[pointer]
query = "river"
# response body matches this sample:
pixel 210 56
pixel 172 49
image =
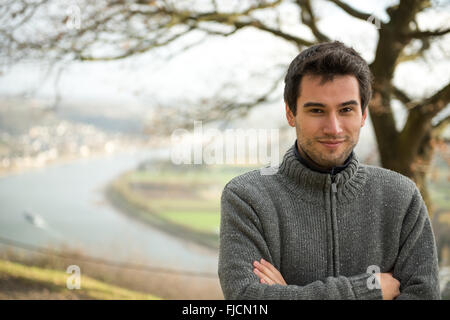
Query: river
pixel 70 199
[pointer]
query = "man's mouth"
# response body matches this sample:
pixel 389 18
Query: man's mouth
pixel 332 143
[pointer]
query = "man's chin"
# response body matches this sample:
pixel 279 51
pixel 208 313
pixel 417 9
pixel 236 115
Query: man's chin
pixel 330 163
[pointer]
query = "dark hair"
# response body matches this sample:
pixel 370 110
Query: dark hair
pixel 327 60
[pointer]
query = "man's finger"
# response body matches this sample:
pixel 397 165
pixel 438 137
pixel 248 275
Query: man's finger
pixel 270 272
pixel 274 271
pixel 269 266
pixel 269 283
pixel 263 277
pixel 264 270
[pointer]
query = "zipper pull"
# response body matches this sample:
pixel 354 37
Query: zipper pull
pixel 334 181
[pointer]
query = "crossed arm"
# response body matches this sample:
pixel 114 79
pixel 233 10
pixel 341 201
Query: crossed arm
pixel 268 274
pixel 242 242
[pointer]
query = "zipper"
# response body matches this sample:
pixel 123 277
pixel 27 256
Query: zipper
pixel 334 230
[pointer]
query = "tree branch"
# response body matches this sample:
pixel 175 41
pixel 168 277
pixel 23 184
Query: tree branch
pixel 238 20
pixel 276 32
pixel 415 55
pixel 351 11
pixel 427 34
pixel 434 104
pixel 217 109
pixel 441 124
pixel 32 7
pixel 231 110
pixel 309 19
pixel 391 43
pixel 262 5
pixel 140 48
pixel 401 95
pixel 419 120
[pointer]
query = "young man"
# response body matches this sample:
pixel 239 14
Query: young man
pixel 326 226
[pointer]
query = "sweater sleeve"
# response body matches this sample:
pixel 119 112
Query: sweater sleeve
pixel 242 241
pixel 416 266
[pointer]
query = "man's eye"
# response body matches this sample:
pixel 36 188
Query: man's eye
pixel 316 111
pixel 346 109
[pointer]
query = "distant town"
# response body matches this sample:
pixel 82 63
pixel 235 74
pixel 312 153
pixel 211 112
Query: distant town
pixel 34 138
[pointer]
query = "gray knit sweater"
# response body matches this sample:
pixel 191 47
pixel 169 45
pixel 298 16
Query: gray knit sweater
pixel 323 233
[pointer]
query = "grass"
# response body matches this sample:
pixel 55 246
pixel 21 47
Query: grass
pixel 190 174
pixel 202 221
pixel 184 201
pixel 139 208
pixel 18 279
pixel 163 205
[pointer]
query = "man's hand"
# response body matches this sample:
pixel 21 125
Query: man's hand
pixel 390 287
pixel 267 273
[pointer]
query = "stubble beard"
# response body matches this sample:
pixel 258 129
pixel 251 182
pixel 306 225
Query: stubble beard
pixel 327 158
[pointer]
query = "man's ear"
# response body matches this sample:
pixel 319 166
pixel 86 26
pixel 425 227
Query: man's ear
pixel 289 115
pixel 363 121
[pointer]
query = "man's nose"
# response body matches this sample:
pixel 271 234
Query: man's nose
pixel 333 125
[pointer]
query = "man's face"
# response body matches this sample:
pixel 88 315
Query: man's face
pixel 328 119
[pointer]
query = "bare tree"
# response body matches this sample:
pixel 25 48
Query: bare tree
pixel 116 29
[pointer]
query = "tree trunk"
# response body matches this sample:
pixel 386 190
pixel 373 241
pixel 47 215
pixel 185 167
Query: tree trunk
pixel 394 148
pixel 421 168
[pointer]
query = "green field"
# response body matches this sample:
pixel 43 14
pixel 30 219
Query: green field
pixel 182 200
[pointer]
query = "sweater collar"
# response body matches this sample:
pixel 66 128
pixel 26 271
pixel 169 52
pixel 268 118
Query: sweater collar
pixel 349 181
pixel 308 162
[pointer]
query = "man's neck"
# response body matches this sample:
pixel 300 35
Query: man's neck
pixel 311 164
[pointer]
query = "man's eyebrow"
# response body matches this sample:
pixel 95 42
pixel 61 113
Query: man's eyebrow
pixel 313 104
pixel 319 104
pixel 349 102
